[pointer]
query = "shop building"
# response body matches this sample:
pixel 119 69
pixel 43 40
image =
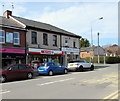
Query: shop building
pixel 12 42
pixel 45 42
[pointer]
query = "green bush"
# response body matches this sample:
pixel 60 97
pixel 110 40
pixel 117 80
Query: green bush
pixel 109 60
pixel 112 60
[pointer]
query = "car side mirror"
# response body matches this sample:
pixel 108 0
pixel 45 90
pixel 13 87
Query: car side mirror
pixel 10 69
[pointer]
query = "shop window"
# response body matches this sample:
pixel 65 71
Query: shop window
pixel 16 38
pixel 2 36
pixel 34 38
pixel 9 37
pixel 54 40
pixel 45 39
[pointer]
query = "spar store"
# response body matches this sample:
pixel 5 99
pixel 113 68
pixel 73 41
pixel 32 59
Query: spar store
pixel 44 55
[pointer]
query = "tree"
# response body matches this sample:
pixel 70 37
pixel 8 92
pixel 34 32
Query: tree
pixel 84 43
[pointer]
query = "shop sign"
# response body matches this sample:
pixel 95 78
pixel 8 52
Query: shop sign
pixel 45 51
pixel 70 50
pixel 11 50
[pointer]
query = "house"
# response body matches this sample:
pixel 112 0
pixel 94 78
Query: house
pixel 113 50
pixel 45 42
pixel 12 41
pixel 92 52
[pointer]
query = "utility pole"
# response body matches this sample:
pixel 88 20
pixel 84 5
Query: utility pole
pixel 98 49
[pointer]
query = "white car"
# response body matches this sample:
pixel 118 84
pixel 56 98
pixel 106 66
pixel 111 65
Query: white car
pixel 80 65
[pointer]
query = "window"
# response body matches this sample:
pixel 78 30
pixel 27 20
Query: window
pixel 16 38
pixel 54 40
pixel 66 42
pixel 45 39
pixel 14 67
pixel 74 44
pixel 52 64
pixel 57 64
pixel 2 36
pixel 22 66
pixel 34 38
pixel 9 37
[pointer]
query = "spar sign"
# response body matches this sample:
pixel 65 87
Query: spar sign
pixel 45 51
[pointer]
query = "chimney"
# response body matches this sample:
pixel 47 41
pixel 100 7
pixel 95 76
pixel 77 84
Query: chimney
pixel 7 13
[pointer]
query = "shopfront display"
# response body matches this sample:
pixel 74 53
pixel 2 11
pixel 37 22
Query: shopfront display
pixel 44 55
pixel 72 53
pixel 12 56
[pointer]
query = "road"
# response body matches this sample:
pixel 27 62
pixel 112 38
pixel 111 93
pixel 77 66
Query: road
pixel 102 83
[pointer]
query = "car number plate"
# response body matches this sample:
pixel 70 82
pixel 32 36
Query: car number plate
pixel 71 65
pixel 41 70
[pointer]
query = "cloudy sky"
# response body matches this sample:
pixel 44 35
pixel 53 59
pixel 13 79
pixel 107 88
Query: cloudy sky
pixel 77 16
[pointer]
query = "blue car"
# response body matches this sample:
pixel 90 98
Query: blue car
pixel 52 68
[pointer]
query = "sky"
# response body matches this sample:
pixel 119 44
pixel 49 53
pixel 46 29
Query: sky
pixel 78 16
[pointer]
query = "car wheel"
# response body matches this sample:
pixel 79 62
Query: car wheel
pixel 3 79
pixel 65 71
pixel 29 75
pixel 81 68
pixel 50 73
pixel 92 68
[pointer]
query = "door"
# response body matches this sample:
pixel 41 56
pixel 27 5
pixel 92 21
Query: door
pixel 58 67
pixel 22 71
pixel 87 64
pixel 13 72
pixel 54 67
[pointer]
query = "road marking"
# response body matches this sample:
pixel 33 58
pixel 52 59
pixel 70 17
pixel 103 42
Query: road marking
pixel 55 76
pixel 47 83
pixel 4 91
pixel 116 96
pixel 112 95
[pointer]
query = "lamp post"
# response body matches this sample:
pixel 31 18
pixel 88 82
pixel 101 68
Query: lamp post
pixel 92 40
pixel 98 49
pixel 92 31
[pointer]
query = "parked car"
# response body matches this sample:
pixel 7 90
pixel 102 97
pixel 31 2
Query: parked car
pixel 52 68
pixel 16 71
pixel 80 65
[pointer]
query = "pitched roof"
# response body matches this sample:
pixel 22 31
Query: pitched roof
pixel 89 48
pixel 8 22
pixel 44 26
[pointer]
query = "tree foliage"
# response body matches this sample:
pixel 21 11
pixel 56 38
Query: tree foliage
pixel 84 43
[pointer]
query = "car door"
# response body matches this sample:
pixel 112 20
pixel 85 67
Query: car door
pixel 53 67
pixel 13 72
pixel 87 64
pixel 58 67
pixel 22 71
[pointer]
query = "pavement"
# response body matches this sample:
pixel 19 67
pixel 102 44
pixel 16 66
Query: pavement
pixel 102 83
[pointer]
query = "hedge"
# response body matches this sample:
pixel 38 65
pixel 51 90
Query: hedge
pixel 109 60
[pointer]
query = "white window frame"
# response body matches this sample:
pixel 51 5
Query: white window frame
pixel 16 38
pixel 3 36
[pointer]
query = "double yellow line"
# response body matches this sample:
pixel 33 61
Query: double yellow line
pixel 113 95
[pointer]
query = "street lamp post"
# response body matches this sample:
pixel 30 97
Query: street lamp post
pixel 98 49
pixel 98 39
pixel 92 31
